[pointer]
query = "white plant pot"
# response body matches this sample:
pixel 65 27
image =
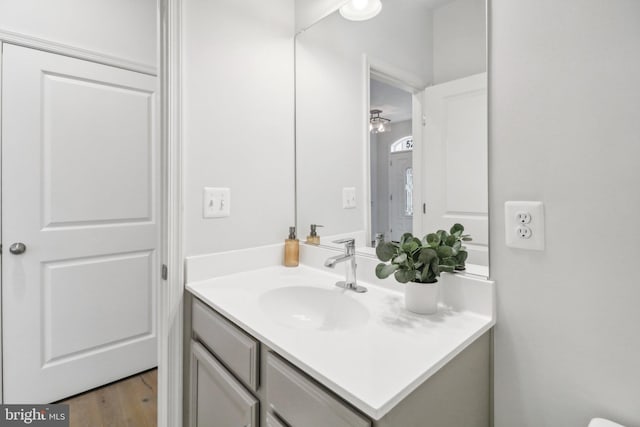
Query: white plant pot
pixel 421 298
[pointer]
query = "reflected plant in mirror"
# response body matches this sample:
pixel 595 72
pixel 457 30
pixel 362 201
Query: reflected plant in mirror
pixel 394 107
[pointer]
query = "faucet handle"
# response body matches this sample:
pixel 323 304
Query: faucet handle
pixel 348 241
pixel 349 244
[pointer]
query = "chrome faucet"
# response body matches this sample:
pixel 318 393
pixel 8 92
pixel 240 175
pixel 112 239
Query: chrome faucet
pixel 349 257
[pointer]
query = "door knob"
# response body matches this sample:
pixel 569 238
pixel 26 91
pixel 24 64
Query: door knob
pixel 18 248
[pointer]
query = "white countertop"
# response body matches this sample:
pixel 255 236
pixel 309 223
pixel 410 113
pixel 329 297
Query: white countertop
pixel 373 365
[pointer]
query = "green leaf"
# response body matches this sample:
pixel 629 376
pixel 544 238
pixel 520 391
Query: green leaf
pixel 385 270
pixel 461 258
pixel 450 241
pixel 435 268
pixel 405 237
pixel 445 251
pixel 427 254
pixel 457 229
pixel 466 238
pixel 457 245
pixel 433 240
pixel 448 262
pixel 447 268
pixel 428 276
pixel 404 276
pixel 386 251
pixel 400 259
pixel 424 276
pixel 411 245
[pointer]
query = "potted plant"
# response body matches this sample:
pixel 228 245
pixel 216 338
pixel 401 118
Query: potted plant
pixel 418 264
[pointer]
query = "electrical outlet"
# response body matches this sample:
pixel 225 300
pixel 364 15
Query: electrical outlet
pixel 216 202
pixel 523 232
pixel 524 225
pixel 523 217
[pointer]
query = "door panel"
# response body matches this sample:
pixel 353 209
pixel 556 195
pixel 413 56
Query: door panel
pixel 113 321
pixel 80 187
pixel 400 221
pixel 93 190
pixel 455 175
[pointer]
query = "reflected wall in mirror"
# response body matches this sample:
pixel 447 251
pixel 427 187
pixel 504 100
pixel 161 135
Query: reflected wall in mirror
pixel 394 107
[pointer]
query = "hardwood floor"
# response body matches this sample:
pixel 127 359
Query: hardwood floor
pixel 131 402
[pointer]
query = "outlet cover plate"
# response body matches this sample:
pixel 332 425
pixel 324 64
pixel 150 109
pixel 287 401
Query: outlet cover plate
pixel 534 212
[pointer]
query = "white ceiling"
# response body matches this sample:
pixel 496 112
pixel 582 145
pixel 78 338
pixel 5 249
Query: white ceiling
pixel 395 103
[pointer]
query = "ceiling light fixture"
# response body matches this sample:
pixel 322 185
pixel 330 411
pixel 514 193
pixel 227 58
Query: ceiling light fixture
pixel 378 124
pixel 360 10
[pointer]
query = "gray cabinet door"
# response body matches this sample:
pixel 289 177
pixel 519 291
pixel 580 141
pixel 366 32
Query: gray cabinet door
pixel 299 402
pixel 216 398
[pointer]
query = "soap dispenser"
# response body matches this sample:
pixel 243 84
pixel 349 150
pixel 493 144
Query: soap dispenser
pixel 291 249
pixel 313 237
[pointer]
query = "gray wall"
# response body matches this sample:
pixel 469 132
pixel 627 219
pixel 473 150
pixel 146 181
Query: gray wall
pixel 459 40
pixel 565 120
pixel 238 120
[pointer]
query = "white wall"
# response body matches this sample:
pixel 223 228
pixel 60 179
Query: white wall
pixel 125 29
pixel 238 120
pixel 331 110
pixel 459 40
pixel 565 120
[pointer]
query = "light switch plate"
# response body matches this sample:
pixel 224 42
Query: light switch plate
pixel 216 202
pixel 349 197
pixel 524 225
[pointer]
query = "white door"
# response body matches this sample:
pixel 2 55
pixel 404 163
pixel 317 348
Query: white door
pixel 80 189
pixel 400 203
pixel 454 177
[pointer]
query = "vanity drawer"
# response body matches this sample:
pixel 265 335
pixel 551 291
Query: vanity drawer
pixel 299 402
pixel 232 346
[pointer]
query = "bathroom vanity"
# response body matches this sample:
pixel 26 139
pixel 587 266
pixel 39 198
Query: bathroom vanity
pixel 278 346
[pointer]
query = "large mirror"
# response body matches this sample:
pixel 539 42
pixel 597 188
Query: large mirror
pixel 391 124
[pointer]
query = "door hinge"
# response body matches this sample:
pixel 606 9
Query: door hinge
pixel 424 208
pixel 165 272
pixel 424 120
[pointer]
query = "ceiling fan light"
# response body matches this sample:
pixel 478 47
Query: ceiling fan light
pixel 360 10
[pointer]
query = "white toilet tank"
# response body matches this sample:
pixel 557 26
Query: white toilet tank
pixel 601 422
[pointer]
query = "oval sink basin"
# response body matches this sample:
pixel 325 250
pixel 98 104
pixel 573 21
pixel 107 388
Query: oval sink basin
pixel 305 307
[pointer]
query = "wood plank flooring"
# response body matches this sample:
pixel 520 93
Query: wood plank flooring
pixel 131 402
